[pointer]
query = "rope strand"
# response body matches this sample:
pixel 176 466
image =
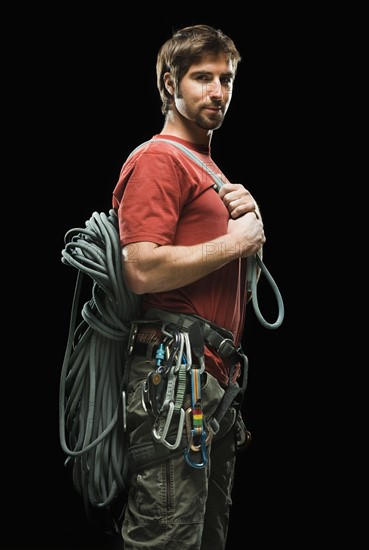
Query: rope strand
pixel 90 426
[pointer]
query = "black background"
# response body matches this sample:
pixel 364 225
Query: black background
pixel 87 97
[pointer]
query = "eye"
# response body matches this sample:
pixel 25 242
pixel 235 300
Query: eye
pixel 204 78
pixel 227 81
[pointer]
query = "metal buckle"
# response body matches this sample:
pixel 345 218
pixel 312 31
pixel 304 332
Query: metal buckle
pixel 226 343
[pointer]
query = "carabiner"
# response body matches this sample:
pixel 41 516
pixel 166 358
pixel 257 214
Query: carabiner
pixel 186 452
pixel 162 438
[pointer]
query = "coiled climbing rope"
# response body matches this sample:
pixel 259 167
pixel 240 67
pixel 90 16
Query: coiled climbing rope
pixel 92 372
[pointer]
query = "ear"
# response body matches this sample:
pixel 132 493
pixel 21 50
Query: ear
pixel 168 83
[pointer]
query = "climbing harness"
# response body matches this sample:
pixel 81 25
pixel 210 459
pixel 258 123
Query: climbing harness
pixel 92 398
pixel 184 340
pixel 164 392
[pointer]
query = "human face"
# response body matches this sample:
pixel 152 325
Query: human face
pixel 205 92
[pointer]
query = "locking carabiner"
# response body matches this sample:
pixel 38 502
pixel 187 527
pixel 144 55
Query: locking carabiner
pixel 196 448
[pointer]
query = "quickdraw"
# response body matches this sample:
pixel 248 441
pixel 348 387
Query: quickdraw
pixel 196 434
pixel 163 396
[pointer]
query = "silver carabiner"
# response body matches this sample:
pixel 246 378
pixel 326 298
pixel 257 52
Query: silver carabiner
pixel 162 437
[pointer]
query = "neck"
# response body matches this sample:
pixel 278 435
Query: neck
pixel 184 129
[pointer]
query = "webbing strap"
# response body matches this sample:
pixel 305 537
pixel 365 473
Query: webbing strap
pixel 222 340
pixel 219 338
pixel 233 395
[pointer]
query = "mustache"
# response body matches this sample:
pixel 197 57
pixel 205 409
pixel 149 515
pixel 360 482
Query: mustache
pixel 214 105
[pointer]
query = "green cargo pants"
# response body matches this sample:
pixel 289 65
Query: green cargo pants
pixel 171 504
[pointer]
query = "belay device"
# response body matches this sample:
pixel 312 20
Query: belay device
pixel 91 397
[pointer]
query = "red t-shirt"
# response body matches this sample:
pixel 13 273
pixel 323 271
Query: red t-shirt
pixel 170 200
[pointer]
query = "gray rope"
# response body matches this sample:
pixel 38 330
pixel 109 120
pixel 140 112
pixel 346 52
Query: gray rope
pixel 92 373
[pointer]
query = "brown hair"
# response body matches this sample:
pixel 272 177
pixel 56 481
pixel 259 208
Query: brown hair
pixel 186 47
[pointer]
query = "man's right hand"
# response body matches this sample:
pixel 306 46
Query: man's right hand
pixel 248 231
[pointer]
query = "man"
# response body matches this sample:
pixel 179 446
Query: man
pixel 185 250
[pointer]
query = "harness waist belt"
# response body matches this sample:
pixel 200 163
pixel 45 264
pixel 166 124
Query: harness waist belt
pixel 219 338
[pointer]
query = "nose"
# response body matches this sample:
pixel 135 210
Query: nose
pixel 215 90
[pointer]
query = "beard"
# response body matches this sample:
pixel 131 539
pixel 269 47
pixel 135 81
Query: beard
pixel 207 122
